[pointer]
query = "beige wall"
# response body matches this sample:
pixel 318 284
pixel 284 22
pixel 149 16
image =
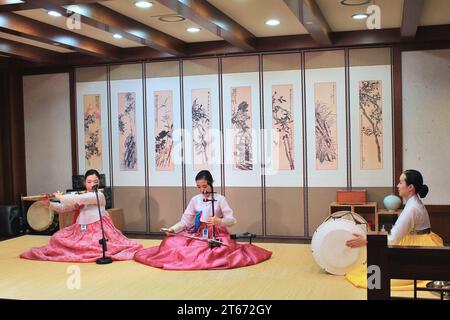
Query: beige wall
pixel 46 103
pixel 426 119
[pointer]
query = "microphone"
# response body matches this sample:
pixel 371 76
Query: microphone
pixel 246 235
pixel 95 187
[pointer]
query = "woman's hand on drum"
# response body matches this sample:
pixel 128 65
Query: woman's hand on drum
pixel 359 240
pixel 213 221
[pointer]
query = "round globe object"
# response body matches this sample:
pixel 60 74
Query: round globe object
pixel 392 202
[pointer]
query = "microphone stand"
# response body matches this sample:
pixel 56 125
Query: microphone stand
pixel 102 241
pixel 215 242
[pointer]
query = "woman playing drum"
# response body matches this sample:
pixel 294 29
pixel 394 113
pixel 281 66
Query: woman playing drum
pixel 411 229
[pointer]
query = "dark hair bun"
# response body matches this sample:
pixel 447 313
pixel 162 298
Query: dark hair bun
pixel 423 191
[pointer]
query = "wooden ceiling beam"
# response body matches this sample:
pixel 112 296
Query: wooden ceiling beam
pixel 431 37
pixel 28 28
pixel 27 52
pixel 215 21
pixel 412 10
pixel 111 21
pixel 29 5
pixel 106 19
pixel 312 19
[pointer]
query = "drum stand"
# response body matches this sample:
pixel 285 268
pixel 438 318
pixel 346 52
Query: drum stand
pixel 102 241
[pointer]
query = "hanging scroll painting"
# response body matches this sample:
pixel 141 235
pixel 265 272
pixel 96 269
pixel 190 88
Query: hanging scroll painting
pixel 241 120
pixel 127 131
pixel 283 126
pixel 92 131
pixel 325 126
pixel 201 128
pixel 163 104
pixel 371 124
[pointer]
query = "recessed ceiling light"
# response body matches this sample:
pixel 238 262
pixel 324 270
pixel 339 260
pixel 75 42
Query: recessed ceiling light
pixel 360 16
pixel 273 22
pixel 143 4
pixel 117 36
pixel 54 13
pixel 354 2
pixel 193 29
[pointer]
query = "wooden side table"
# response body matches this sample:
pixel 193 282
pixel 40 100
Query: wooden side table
pixel 116 215
pixel 386 218
pixel 367 211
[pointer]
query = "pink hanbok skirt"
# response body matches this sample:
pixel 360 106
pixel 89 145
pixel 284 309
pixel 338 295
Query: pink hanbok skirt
pixel 72 244
pixel 179 253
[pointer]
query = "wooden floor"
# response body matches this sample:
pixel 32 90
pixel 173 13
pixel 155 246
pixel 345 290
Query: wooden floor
pixel 291 273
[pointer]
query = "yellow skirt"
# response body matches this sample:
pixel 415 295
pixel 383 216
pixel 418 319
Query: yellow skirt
pixel 358 276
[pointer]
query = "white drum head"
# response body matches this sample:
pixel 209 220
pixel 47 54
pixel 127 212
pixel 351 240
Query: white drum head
pixel 329 248
pixel 39 217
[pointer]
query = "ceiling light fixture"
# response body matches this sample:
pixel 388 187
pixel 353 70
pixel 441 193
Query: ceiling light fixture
pixel 354 2
pixel 273 22
pixel 170 18
pixel 143 4
pixel 54 13
pixel 193 29
pixel 117 36
pixel 360 16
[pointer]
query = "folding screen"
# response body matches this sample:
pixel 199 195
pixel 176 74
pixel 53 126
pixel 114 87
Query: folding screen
pixel 242 145
pixel 92 120
pixel 284 154
pixel 201 121
pixel 326 131
pixel 127 142
pixel 164 133
pixel 371 122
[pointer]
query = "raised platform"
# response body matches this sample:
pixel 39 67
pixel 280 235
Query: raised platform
pixel 291 273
